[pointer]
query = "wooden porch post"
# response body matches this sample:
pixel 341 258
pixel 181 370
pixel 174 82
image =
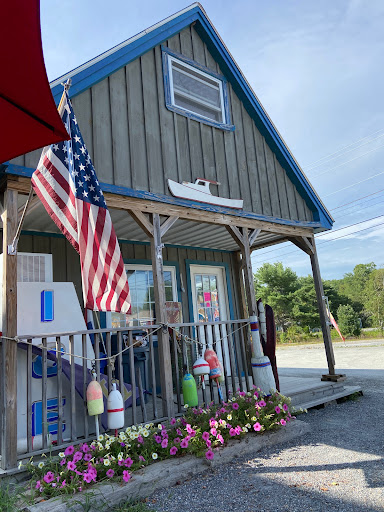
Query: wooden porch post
pixel 161 317
pixel 8 381
pixel 308 246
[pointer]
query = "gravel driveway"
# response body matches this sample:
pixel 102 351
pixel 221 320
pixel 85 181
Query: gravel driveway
pixel 338 466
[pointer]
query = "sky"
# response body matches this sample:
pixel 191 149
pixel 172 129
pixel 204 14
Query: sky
pixel 316 66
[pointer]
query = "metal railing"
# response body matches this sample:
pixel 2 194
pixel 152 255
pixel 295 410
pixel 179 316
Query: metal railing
pixel 54 371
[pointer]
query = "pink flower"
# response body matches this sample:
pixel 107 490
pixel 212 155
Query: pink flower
pixel 209 455
pixel 212 422
pixel 69 450
pixel 63 483
pixel 232 432
pixel 71 466
pixel 176 440
pixel 49 477
pixel 128 462
pixel 257 427
pixel 256 394
pixel 164 443
pixel 220 438
pixel 63 461
pixel 85 448
pixel 208 443
pixel 285 407
pixel 87 457
pixel 213 432
pixel 179 432
pixel 277 409
pixel 283 422
pixel 189 428
pixel 262 403
pixel 126 476
pixel 141 458
pixel 78 456
pixel 184 443
pixel 158 439
pixel 173 421
pixel 164 432
pixel 110 473
pixel 205 436
pixel 173 450
pixel 193 433
pixel 37 484
pixel 120 462
pixel 140 439
pixel 242 393
pixel 88 478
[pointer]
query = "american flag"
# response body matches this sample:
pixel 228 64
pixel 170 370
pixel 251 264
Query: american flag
pixel 66 182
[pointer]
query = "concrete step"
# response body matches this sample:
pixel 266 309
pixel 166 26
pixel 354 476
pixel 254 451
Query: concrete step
pixel 326 399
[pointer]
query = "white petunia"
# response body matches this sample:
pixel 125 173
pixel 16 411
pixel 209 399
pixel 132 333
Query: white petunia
pixel 154 456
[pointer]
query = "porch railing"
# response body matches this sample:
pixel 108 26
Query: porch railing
pixel 55 369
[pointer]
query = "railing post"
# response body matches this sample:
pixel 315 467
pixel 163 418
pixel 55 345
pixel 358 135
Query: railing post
pixel 161 317
pixel 8 383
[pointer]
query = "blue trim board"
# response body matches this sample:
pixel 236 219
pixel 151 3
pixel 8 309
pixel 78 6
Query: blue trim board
pixel 99 70
pixel 165 264
pixel 188 264
pixel 162 198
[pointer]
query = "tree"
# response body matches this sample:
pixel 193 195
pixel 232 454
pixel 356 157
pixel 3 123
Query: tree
pixel 349 322
pixel 374 296
pixel 275 285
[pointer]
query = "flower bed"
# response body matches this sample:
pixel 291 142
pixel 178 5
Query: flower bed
pixel 199 432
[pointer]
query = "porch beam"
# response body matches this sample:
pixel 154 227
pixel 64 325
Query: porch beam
pixel 142 221
pixel 167 224
pixel 8 383
pixel 161 317
pixel 235 233
pixel 252 237
pixel 119 202
pixel 303 243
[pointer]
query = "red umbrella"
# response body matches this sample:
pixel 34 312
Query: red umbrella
pixel 28 114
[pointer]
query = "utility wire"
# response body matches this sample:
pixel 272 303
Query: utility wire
pixel 358 199
pixel 326 241
pixel 312 164
pixel 354 184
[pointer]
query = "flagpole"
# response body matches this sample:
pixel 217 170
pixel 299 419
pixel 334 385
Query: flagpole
pixel 12 249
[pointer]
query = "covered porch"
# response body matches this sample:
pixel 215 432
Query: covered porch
pixel 156 233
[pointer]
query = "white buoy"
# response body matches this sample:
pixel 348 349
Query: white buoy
pixel 115 408
pixel 201 368
pixel 262 320
pixel 261 365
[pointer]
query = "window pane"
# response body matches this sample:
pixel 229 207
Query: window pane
pixel 212 280
pixel 206 283
pixel 198 108
pixel 168 293
pixel 167 279
pixel 187 84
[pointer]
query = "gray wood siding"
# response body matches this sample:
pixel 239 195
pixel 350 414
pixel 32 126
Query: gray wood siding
pixel 66 264
pixel 136 142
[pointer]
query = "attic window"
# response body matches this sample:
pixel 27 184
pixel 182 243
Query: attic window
pixel 195 92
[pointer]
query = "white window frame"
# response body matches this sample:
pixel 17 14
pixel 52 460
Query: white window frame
pixel 141 266
pixel 195 70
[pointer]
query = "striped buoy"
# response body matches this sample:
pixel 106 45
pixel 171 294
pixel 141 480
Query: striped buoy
pixel 261 365
pixel 200 369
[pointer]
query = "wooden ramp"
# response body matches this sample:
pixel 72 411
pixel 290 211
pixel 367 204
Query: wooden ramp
pixel 307 392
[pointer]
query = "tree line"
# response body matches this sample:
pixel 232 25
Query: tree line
pixel 356 300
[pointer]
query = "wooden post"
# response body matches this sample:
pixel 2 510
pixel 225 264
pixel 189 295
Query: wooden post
pixel 161 317
pixel 8 381
pixel 323 312
pixel 248 275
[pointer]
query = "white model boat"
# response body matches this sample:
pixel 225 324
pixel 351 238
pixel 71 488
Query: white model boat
pixel 199 191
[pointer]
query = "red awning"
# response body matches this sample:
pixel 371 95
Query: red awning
pixel 28 114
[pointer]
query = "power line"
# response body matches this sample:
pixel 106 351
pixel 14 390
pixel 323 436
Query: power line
pixel 326 241
pixel 334 231
pixel 347 162
pixel 311 165
pixel 354 184
pixel 358 199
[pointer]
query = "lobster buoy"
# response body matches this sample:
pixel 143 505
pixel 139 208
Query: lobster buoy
pixel 215 368
pixel 214 364
pixel 190 391
pixel 221 379
pixel 115 407
pixel 95 402
pixel 261 365
pixel 200 369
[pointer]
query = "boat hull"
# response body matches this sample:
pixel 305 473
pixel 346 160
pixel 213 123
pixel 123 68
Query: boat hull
pixel 190 191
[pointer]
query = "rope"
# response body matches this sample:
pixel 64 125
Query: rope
pixel 111 359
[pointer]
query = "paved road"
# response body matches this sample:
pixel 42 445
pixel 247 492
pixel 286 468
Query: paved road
pixel 338 466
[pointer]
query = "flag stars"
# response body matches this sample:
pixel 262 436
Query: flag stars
pixel 82 149
pixel 87 177
pixel 80 183
pixel 96 198
pixel 55 147
pixel 91 188
pixel 77 138
pixel 81 167
pixel 85 194
pixel 76 156
pixel 65 148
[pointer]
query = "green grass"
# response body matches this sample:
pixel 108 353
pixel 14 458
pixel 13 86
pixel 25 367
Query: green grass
pixel 130 506
pixel 11 496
